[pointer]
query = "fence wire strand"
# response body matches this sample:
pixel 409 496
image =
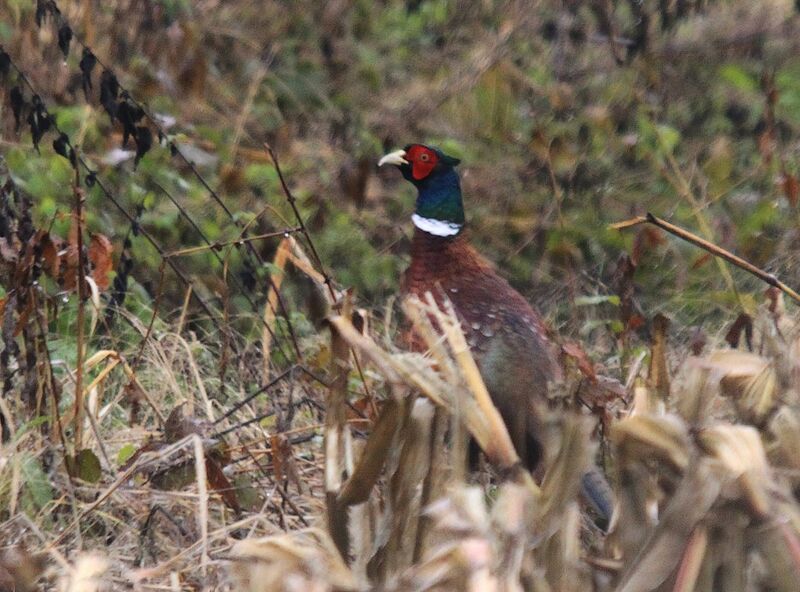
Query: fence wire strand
pixel 78 162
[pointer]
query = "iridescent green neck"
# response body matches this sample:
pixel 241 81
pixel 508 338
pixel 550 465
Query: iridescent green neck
pixel 440 198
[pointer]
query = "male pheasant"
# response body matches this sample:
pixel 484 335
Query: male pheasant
pixel 506 335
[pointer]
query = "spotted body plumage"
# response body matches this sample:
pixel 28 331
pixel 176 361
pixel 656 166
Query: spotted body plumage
pixel 506 336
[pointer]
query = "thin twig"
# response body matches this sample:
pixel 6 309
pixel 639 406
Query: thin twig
pixel 293 203
pixel 252 396
pixel 711 248
pixel 78 221
pixel 215 246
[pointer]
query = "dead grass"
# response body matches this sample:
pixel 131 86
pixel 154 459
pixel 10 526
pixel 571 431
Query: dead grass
pixel 705 480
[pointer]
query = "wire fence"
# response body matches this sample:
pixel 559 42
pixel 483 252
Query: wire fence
pixel 138 123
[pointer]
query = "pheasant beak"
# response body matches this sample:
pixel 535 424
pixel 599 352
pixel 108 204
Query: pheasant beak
pixel 397 158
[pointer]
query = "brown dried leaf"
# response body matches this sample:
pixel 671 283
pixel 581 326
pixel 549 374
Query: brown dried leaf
pixel 625 289
pixel 766 145
pixel 69 268
pixel 283 460
pixel 277 448
pixel 100 251
pixel 602 393
pixel 744 322
pixel 69 257
pixel 219 482
pixel 791 189
pixel 179 425
pixel 634 322
pixel 646 239
pixel 574 351
pixel 774 298
pixel 363 408
pixel 51 262
pixel 697 341
pixel 23 315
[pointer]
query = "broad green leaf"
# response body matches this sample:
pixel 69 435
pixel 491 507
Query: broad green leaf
pixel 85 466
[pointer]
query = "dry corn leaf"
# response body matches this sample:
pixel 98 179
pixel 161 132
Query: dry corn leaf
pixel 368 469
pixel 647 436
pixel 294 562
pixel 663 550
pixel 785 426
pixel 20 569
pixel 562 481
pixel 759 397
pixel 733 368
pixel 87 574
pixel 779 548
pixel 741 452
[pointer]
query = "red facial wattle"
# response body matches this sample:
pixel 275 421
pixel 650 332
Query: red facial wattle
pixel 423 160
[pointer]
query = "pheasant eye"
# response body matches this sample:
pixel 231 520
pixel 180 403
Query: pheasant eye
pixel 424 157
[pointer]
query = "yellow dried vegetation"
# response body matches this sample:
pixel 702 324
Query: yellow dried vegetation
pixel 705 453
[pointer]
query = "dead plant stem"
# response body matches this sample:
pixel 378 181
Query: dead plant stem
pixel 78 221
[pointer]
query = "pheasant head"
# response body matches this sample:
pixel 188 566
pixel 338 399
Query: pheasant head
pixel 439 209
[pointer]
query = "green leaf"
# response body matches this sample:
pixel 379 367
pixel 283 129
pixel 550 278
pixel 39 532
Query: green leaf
pixel 668 137
pixel 33 423
pixel 85 466
pixel 616 326
pixel 248 496
pixel 738 77
pixel 125 453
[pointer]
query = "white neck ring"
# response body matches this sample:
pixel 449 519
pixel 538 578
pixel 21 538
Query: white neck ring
pixel 436 227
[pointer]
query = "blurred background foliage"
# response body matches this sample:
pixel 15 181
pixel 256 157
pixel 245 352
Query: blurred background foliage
pixel 567 115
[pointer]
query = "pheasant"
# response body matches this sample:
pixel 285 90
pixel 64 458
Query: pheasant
pixel 506 335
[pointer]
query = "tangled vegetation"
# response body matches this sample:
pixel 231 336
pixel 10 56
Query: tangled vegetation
pixel 201 387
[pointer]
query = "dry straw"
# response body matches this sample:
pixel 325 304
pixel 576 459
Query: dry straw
pixel 705 461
